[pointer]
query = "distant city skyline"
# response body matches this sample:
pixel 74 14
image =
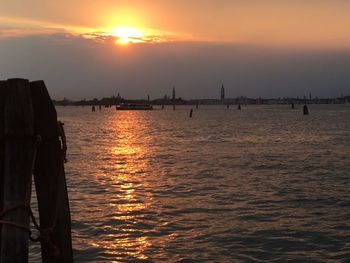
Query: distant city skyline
pixel 220 98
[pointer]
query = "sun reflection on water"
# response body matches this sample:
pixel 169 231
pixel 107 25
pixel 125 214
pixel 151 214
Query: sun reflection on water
pixel 124 150
pixel 127 167
pixel 158 187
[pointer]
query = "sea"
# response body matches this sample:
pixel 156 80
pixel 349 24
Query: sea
pixel 261 184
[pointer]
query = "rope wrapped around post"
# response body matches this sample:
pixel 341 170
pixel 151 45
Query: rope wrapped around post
pixel 25 110
pixel 44 233
pixel 22 205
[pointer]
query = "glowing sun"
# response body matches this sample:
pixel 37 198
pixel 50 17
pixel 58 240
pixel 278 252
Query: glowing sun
pixel 126 35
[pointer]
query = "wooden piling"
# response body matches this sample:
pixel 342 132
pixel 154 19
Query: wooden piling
pixel 305 110
pixel 27 116
pixel 239 107
pixel 93 109
pixel 2 144
pixel 50 180
pixel 174 107
pixel 19 150
pixel 191 112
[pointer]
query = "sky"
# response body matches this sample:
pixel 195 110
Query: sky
pixel 256 48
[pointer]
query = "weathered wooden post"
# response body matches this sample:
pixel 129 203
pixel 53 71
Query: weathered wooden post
pixel 174 98
pixel 191 112
pixel 19 154
pixel 239 107
pixel 50 180
pixel 2 144
pixel 30 144
pixel 305 110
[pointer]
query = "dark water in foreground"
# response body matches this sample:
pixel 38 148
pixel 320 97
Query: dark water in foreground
pixel 262 185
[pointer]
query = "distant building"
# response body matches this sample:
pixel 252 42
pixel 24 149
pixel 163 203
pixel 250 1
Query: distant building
pixel 222 92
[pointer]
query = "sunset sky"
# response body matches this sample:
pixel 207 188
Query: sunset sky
pixel 268 48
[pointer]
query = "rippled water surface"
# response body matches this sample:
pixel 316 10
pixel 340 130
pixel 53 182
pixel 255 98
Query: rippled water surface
pixel 265 184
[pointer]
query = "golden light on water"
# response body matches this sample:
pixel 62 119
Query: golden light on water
pixel 117 150
pixel 129 166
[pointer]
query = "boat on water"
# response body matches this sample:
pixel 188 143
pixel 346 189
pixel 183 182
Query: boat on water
pixel 134 106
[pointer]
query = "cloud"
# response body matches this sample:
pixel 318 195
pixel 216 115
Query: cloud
pixel 76 67
pixel 21 28
pixel 21 32
pixel 85 63
pixel 17 28
pixel 108 37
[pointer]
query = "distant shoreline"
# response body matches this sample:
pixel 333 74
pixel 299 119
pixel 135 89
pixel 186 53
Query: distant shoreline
pixel 179 101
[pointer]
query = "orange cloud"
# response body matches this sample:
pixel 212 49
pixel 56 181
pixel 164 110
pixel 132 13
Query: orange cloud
pixel 14 27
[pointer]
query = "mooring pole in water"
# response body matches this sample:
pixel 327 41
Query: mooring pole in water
pixel 228 106
pixel 191 112
pixel 29 144
pixel 239 107
pixel 197 105
pixel 2 144
pixel 99 107
pixel 93 109
pixel 162 107
pixel 293 106
pixel 305 110
pixel 18 142
pixel 50 181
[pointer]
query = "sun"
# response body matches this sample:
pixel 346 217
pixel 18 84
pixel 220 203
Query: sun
pixel 126 35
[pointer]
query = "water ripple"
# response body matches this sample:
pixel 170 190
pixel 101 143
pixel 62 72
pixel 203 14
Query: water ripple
pixel 265 184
